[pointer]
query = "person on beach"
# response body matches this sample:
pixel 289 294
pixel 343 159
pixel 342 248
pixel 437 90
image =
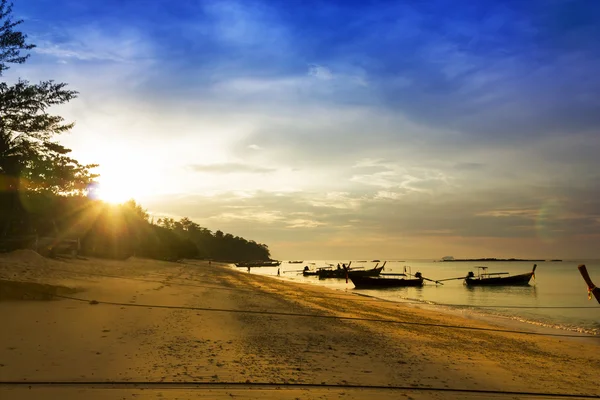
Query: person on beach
pixel 277 271
pixel 248 269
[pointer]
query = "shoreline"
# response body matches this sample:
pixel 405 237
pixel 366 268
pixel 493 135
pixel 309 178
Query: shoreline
pixel 475 312
pixel 525 313
pixel 219 325
pixel 481 313
pixel 498 260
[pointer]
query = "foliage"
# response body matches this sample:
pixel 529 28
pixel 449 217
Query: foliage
pixel 11 42
pixel 215 245
pixel 27 152
pixel 30 159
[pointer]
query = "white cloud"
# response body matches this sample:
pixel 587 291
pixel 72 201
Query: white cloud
pixel 303 223
pixel 230 168
pixel 264 217
pixel 340 200
pixel 388 195
pixel 320 72
pixel 394 176
pixel 94 44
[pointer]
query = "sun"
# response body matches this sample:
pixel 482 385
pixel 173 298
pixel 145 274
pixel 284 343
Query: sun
pixel 126 174
pixel 116 187
pixel 124 182
pixel 113 192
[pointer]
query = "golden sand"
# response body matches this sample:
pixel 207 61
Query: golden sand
pixel 202 340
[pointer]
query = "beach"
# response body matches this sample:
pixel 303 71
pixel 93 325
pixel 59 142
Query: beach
pixel 151 329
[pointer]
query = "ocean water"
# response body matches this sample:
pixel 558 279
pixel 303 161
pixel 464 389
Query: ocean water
pixel 556 298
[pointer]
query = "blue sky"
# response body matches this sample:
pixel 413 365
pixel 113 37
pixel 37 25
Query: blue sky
pixel 340 128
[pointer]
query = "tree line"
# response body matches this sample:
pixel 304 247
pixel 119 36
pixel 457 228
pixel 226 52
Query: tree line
pixel 44 192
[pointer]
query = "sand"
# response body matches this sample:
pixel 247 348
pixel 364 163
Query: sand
pixel 200 349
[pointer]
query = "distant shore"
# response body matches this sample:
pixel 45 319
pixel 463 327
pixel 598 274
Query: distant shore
pixel 494 259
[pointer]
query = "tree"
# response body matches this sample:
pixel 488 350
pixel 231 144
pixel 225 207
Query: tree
pixel 11 42
pixel 137 210
pixel 30 159
pixel 167 223
pixel 26 133
pixel 52 170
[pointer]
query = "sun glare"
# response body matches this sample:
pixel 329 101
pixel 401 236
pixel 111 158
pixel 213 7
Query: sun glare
pixel 113 193
pixel 127 174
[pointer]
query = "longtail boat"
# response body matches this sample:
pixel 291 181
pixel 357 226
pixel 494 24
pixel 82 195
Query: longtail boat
pixel 592 289
pixel 319 271
pixel 366 272
pixel 484 278
pixel 380 282
pixel 347 272
pixel 307 272
pixel 254 264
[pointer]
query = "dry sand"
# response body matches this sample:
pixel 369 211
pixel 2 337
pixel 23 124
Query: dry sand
pixel 107 346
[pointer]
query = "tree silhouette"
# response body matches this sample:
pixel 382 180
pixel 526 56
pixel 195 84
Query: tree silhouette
pixel 11 42
pixel 30 159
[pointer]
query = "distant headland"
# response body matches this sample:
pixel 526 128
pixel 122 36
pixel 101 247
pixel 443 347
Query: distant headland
pixel 452 259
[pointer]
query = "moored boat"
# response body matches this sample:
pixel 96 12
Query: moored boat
pixel 253 264
pixel 346 271
pixel 379 282
pixel 366 272
pixel 307 272
pixel 484 278
pixel 323 273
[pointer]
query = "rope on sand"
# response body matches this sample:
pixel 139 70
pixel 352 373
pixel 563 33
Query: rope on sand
pixel 287 314
pixel 156 385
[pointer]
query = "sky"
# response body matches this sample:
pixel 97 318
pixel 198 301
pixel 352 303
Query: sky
pixel 340 129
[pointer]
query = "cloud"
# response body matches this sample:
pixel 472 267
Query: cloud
pixel 469 166
pixel 264 217
pixel 395 176
pixel 230 168
pixel 304 223
pixel 320 72
pixel 526 213
pixel 93 44
pixel 277 218
pixel 337 200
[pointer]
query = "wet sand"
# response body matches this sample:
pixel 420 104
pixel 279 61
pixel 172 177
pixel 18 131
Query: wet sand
pixel 201 341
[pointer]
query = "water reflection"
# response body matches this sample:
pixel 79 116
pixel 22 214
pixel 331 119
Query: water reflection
pixel 501 295
pixel 510 290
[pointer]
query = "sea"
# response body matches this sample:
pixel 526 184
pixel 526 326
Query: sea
pixel 556 298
